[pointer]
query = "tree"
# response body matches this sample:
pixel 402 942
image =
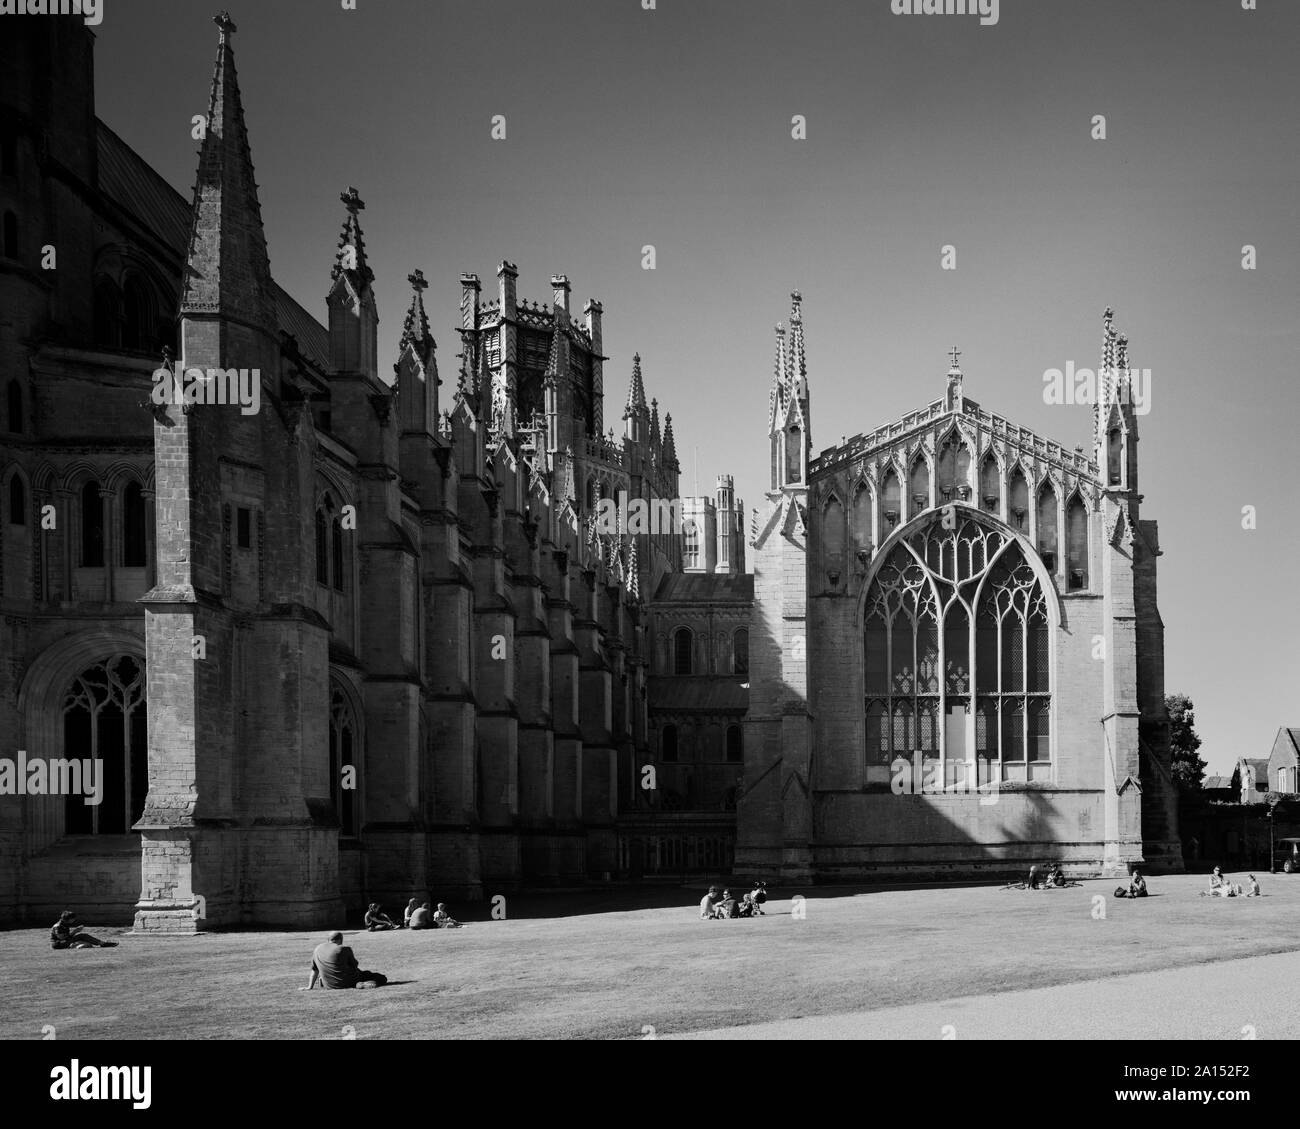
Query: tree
pixel 1186 764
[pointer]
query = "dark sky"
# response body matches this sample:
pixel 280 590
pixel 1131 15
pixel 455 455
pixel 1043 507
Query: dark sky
pixel 672 127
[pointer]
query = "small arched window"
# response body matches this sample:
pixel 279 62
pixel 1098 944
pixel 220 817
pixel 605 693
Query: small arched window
pixel 17 501
pixel 793 455
pixel 1076 526
pixel 92 526
pixel 918 487
pixel 668 744
pixel 1047 540
pixel 990 484
pixel 1018 499
pixel 1115 456
pixel 890 507
pixel 336 529
pixel 11 235
pixel 740 651
pixel 735 744
pixel 135 541
pixel 683 642
pixel 322 549
pixel 14 404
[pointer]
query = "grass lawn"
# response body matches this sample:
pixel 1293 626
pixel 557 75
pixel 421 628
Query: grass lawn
pixel 604 965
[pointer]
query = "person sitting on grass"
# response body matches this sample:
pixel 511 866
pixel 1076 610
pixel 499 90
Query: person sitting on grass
pixel 728 906
pixel 442 919
pixel 757 896
pixel 1220 887
pixel 422 918
pixel 1137 887
pixel 411 907
pixel 1057 877
pixel 708 904
pixel 66 934
pixel 1252 890
pixel 1032 884
pixel 334 965
pixel 377 921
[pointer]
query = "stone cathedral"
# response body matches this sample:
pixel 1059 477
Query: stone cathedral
pixel 366 639
pixel 956 657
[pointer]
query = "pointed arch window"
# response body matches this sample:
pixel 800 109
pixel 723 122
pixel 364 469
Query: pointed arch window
pixel 322 548
pixel 954 467
pixel 1115 456
pixel 861 521
pixel 833 539
pixel 957 658
pixel 683 644
pixel 17 501
pixel 1076 532
pixel 890 506
pixel 793 455
pixel 990 484
pixel 343 761
pixel 1047 539
pixel 14 406
pixel 918 487
pixel 1018 501
pixel 339 555
pixel 740 651
pixel 92 526
pixel 135 539
pixel 105 721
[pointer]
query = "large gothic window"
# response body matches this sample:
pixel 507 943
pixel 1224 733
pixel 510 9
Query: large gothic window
pixel 104 722
pixel 343 753
pixel 957 657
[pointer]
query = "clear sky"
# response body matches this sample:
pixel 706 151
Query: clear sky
pixel 672 127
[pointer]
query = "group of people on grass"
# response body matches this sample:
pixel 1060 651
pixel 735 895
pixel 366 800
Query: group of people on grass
pixel 714 905
pixel 1221 887
pixel 417 916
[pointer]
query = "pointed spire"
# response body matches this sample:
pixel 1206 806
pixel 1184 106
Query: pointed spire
pixel 227 269
pixel 415 329
pixel 1106 374
pixel 670 444
pixel 350 258
pixel 798 362
pixel 635 390
pixel 777 395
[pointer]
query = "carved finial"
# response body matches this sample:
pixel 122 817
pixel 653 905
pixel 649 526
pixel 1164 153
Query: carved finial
pixel 954 352
pixel 417 280
pixel 225 23
pixel 352 201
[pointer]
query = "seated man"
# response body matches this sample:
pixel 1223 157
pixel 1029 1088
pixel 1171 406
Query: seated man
pixel 728 907
pixel 1137 887
pixel 422 918
pixel 411 907
pixel 334 965
pixel 66 934
pixel 708 904
pixel 1057 877
pixel 1253 890
pixel 377 920
pixel 442 919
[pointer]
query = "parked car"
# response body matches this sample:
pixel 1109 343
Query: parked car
pixel 1286 855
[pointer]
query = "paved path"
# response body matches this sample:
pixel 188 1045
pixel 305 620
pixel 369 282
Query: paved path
pixel 1204 1001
